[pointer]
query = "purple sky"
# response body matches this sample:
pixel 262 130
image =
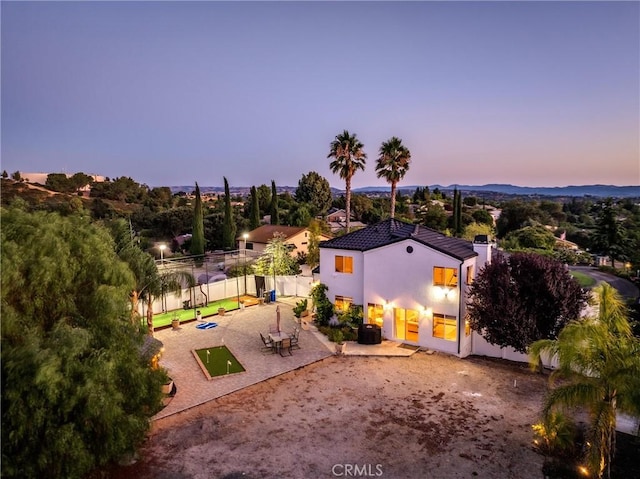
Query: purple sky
pixel 169 93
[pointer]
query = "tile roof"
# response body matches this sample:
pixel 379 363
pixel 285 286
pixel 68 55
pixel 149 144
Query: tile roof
pixel 392 231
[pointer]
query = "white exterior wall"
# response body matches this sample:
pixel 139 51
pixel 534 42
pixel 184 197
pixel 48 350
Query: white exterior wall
pixel 394 278
pixel 405 280
pixel 342 284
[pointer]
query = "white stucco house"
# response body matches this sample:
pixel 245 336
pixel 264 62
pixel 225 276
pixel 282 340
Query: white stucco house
pixel 411 280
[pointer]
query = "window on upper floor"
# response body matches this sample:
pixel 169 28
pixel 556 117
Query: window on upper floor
pixel 445 276
pixel 469 274
pixel 344 264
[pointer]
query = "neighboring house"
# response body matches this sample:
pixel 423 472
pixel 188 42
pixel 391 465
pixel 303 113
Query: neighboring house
pixel 336 215
pixel 411 280
pixel 337 220
pixel 296 237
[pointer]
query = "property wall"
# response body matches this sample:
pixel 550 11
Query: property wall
pixel 284 286
pixel 482 348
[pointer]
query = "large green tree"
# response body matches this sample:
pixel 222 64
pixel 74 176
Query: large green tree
pixel 229 226
pixel 274 209
pixel 393 163
pixel 315 190
pixel 609 237
pixel 348 157
pixel 599 369
pixel 76 392
pixel 197 236
pixel 517 300
pixel 277 259
pixel 254 215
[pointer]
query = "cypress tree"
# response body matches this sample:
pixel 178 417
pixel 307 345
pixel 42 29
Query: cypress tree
pixel 228 227
pixel 254 218
pixel 457 213
pixel 197 236
pixel 275 215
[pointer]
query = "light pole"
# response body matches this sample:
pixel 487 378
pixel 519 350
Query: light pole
pixel 162 248
pixel 244 263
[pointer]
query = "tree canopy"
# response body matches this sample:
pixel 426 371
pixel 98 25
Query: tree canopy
pixel 348 157
pixel 517 300
pixel 314 189
pixel 599 363
pixel 276 257
pixel 392 164
pixel 76 392
pixel 197 238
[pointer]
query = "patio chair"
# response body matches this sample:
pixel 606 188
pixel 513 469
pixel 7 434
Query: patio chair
pixel 285 344
pixel 294 338
pixel 268 344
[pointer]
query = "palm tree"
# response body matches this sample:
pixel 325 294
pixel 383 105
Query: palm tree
pixel 392 165
pixel 164 282
pixel 599 363
pixel 348 157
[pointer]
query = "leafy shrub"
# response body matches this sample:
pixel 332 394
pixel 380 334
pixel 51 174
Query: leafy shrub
pixel 324 307
pixel 353 317
pixel 299 308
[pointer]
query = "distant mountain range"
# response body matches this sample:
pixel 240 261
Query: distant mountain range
pixel 602 191
pixel 583 190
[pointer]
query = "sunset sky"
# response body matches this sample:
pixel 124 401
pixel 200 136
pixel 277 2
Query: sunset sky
pixel 170 93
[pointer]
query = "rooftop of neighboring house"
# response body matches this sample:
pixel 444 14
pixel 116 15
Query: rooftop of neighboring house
pixel 264 233
pixel 392 231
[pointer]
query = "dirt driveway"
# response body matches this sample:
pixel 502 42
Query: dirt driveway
pixel 427 416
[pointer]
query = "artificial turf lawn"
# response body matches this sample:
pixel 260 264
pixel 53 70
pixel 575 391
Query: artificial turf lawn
pixel 164 319
pixel 217 361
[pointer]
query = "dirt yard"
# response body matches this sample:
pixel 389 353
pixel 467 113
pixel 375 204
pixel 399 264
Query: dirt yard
pixel 427 416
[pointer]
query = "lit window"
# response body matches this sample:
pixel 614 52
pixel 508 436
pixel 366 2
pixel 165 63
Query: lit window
pixel 469 274
pixel 445 276
pixel 343 303
pixel 375 314
pixel 445 327
pixel 344 264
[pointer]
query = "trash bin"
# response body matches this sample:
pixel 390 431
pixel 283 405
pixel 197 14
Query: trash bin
pixel 369 334
pixel 272 295
pixel 198 316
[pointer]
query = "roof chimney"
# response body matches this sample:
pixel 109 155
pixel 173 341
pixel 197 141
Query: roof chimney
pixel 482 245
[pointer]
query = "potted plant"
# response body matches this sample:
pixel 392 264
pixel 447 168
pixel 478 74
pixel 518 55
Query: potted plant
pixel 338 338
pixel 300 308
pixel 221 311
pixel 167 387
pixel 175 322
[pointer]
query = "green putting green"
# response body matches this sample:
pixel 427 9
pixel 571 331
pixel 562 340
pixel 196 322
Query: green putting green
pixel 219 361
pixel 164 319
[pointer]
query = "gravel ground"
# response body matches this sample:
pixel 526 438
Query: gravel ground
pixel 427 416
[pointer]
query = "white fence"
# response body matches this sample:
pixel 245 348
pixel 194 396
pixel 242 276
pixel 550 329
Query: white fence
pixel 230 288
pixel 480 347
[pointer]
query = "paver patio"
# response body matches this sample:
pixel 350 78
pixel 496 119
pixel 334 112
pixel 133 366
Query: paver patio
pixel 240 331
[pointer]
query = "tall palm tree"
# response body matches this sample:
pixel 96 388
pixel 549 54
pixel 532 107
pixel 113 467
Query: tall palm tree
pixel 348 157
pixel 599 363
pixel 392 165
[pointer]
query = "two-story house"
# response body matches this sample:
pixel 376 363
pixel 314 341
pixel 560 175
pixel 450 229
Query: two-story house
pixel 411 280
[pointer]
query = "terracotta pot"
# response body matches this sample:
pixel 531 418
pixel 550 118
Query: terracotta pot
pixel 221 311
pixel 175 323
